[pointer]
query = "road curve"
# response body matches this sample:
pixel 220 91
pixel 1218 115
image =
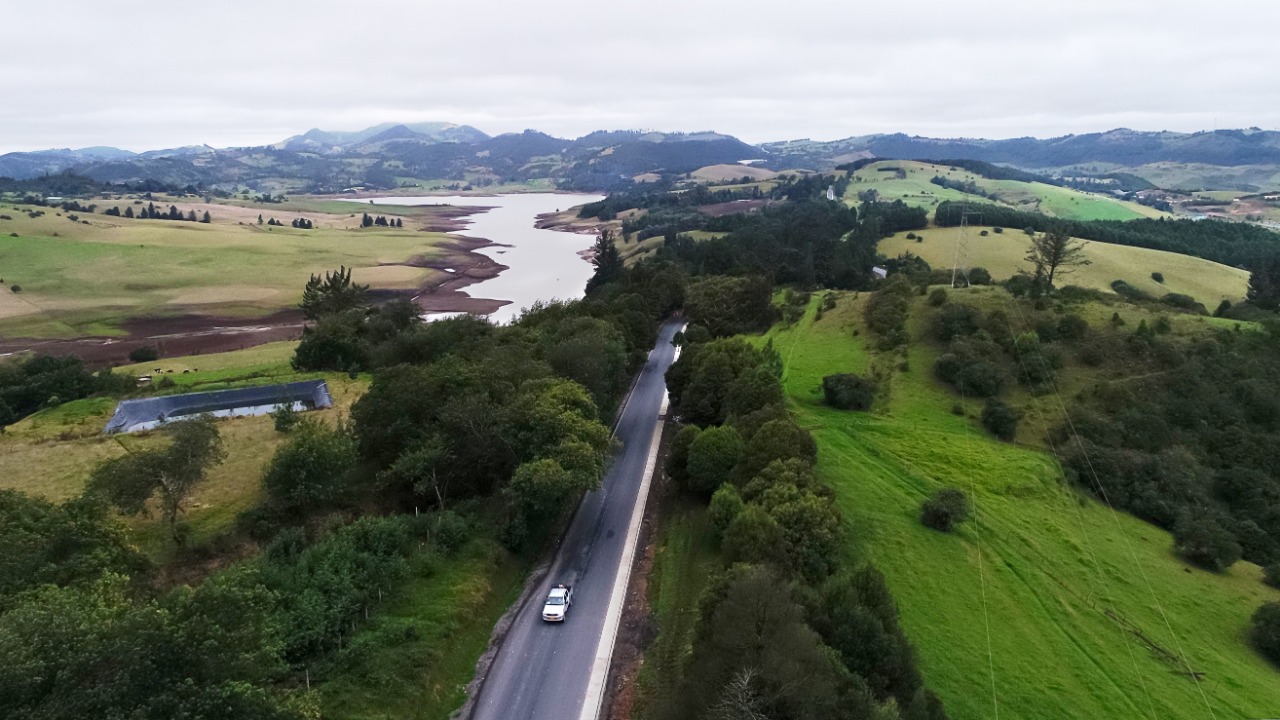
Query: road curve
pixel 542 670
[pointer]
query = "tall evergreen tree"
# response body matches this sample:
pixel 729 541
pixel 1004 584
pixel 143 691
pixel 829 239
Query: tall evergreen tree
pixel 608 261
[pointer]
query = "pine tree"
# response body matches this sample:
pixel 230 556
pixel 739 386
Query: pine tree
pixel 128 212
pixel 366 221
pixel 259 218
pixel 608 262
pixel 206 218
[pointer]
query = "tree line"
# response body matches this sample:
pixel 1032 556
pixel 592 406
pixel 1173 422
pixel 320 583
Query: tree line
pixel 786 630
pixel 1230 243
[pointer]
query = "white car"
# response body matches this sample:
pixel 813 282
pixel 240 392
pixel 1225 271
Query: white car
pixel 557 604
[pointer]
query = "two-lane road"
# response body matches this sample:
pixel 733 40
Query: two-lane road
pixel 545 670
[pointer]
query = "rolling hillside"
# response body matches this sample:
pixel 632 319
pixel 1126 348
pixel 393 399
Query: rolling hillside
pixel 1047 605
pixel 910 181
pixel 1003 254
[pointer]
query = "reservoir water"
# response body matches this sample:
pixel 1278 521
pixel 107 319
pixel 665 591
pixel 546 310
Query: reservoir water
pixel 542 264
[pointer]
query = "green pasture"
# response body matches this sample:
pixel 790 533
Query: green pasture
pixel 1047 604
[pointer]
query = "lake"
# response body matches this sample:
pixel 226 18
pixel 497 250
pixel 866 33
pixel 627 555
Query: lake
pixel 542 264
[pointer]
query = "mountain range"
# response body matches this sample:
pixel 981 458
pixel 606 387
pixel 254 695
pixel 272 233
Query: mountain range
pixel 388 155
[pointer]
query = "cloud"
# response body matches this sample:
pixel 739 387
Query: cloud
pixel 141 75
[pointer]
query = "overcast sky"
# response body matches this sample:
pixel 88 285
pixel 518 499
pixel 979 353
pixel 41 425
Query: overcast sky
pixel 147 75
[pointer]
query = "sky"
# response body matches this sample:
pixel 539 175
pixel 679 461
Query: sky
pixel 146 75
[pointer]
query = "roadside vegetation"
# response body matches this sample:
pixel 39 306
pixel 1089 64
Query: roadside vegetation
pixel 374 548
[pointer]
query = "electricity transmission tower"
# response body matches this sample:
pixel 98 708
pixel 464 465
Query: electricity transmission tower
pixel 960 267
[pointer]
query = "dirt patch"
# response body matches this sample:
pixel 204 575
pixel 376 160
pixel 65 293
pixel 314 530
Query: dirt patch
pixel 637 629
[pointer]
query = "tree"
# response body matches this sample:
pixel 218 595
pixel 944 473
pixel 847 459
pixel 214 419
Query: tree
pixel 1055 253
pixel 311 467
pixel 607 260
pixel 206 218
pixel 332 294
pixel 945 508
pixel 1000 419
pixel 712 457
pixel 1264 283
pixel 1264 631
pixel 678 458
pixel 128 482
pixel 726 505
pixel 847 391
pixel 1204 542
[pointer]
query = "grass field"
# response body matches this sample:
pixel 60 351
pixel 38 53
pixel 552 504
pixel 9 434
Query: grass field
pixel 1003 254
pixel 80 279
pixel 686 555
pixel 1047 604
pixel 51 454
pixel 915 188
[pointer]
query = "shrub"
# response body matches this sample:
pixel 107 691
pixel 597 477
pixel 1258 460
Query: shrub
pixel 1072 327
pixel 450 530
pixel 937 297
pixel 982 234
pixel 1000 419
pixel 944 509
pixel 911 236
pixel 15 288
pixel 979 276
pixel 1125 290
pixel 955 320
pixel 144 353
pixel 1264 631
pixel 311 468
pixel 1271 575
pixel 1224 307
pixel 285 417
pixel 1204 542
pixel 726 505
pixel 1158 277
pixel 847 391
pixel 1184 302
pixel 997 230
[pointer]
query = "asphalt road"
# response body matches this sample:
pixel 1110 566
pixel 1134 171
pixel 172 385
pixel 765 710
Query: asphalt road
pixel 543 669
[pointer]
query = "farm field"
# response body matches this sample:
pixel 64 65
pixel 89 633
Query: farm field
pixel 915 188
pixel 82 279
pixel 1047 604
pixel 1003 255
pixel 51 453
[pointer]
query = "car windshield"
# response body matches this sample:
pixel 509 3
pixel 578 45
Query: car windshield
pixel 555 600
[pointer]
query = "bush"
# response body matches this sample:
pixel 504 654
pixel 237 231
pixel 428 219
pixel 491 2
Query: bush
pixel 311 468
pixel 726 505
pixel 944 509
pixel 144 353
pixel 1125 290
pixel 847 391
pixel 1271 575
pixel 1000 419
pixel 1184 302
pixel 1224 307
pixel 955 320
pixel 450 530
pixel 979 276
pixel 15 288
pixel 1158 277
pixel 997 230
pixel 1072 327
pixel 285 417
pixel 1204 542
pixel 937 297
pixel 982 234
pixel 1264 631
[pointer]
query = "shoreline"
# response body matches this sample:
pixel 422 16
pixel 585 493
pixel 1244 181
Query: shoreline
pixel 458 267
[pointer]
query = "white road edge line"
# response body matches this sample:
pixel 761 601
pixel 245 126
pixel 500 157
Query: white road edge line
pixel 604 651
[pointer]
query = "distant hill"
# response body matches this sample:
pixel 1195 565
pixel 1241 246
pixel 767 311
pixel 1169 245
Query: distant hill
pixel 387 155
pixel 1119 147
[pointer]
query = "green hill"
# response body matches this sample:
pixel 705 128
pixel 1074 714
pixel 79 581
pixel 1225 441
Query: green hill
pixel 1047 604
pixel 1003 254
pixel 910 181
